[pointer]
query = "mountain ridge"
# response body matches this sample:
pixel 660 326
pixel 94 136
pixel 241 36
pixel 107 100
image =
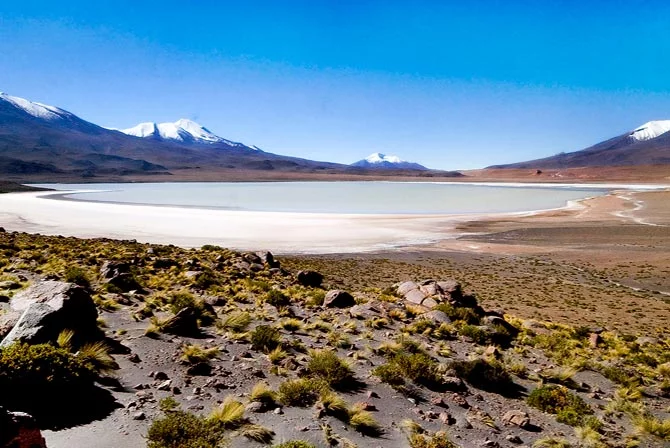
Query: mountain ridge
pixel 648 144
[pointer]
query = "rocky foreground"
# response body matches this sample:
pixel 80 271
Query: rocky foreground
pixel 114 343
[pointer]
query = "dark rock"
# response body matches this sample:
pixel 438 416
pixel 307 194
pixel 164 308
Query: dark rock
pixel 165 263
pixel 252 258
pixel 19 430
pixel 4 298
pixel 269 259
pixel 513 439
pixel 446 418
pixel 139 416
pixel 184 323
pixel 338 299
pixel 311 279
pixel 50 307
pixel 256 267
pixel 595 340
pixel 159 376
pixel 134 358
pixel 9 284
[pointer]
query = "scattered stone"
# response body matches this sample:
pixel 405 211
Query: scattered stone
pixel 372 394
pixel 159 376
pixel 119 275
pixel 492 351
pixel 165 385
pixel 139 416
pixel 48 308
pixel 461 401
pixel 338 299
pixel 278 411
pixel 512 438
pixel 134 358
pixel 517 418
pixel 463 423
pixel 311 279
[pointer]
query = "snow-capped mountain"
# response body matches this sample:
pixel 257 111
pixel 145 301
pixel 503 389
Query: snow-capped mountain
pixel 648 144
pixel 378 160
pixel 37 110
pixel 41 140
pixel 650 130
pixel 183 130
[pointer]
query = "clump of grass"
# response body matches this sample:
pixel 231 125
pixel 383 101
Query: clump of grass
pixel 568 407
pixel 262 393
pixel 334 405
pixel 650 425
pixel 75 274
pixel 438 440
pixel 183 299
pixel 290 325
pixel 551 442
pixel 417 367
pixel 363 422
pixel 229 414
pixel 276 298
pixel 96 357
pixel 277 355
pixel 195 353
pixel 300 392
pixel 257 433
pixel 326 365
pixel 489 375
pixel 237 321
pixel 265 338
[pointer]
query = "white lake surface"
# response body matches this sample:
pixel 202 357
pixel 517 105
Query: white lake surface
pixel 339 197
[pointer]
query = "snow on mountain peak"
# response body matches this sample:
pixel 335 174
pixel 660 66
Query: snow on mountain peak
pixel 650 130
pixel 378 157
pixel 38 110
pixel 182 130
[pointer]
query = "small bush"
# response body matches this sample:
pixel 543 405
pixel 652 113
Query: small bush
pixel 479 335
pixel 75 274
pixel 326 365
pixel 458 313
pixel 180 429
pixel 417 367
pixel 568 407
pixel 276 298
pixel 265 338
pixel 301 392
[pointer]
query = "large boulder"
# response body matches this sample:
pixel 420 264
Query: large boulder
pixel 19 430
pixel 311 279
pixel 49 307
pixel 338 299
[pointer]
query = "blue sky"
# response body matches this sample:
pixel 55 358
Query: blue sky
pixel 452 85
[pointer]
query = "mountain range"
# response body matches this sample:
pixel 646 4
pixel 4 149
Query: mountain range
pixel 648 144
pixel 38 140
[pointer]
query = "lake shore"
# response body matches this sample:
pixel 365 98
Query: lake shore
pixel 310 233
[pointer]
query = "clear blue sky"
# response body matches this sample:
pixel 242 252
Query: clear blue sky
pixel 452 85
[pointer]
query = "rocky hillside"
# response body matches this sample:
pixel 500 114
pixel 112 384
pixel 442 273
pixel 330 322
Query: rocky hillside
pixel 160 346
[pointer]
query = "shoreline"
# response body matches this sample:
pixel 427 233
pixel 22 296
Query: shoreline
pixel 282 232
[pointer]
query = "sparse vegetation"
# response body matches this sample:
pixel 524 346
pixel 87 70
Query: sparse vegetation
pixel 568 407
